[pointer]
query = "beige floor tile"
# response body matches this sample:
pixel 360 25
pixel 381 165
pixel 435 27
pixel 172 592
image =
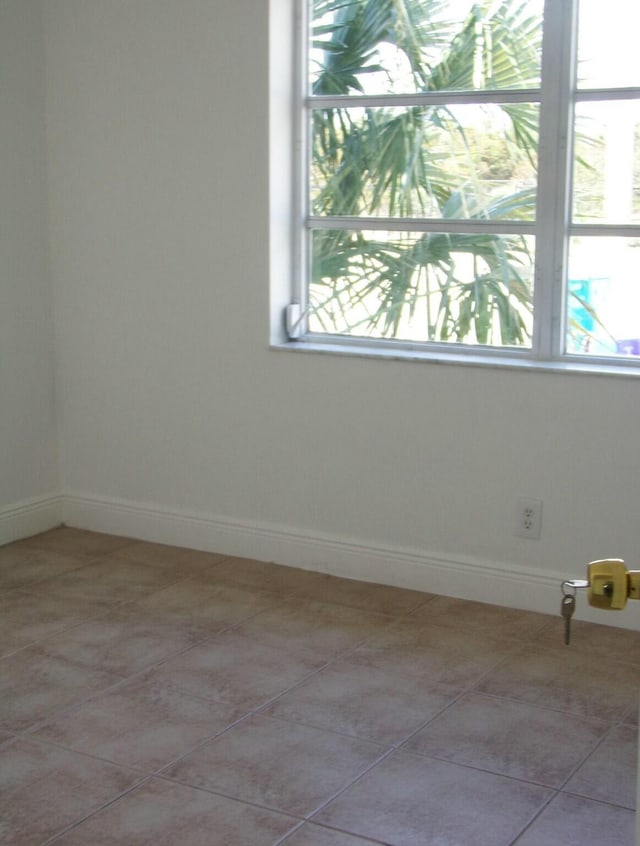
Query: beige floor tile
pixel 123 641
pixel 496 710
pixel 22 565
pixel 268 576
pixel 384 599
pixel 610 772
pixel 437 653
pixel 236 670
pixel 275 764
pixel 111 578
pixel 315 835
pixel 174 815
pixel 411 801
pixel 510 738
pixel 205 607
pixel 6 738
pixel 43 790
pixel 377 705
pixel 566 681
pixel 318 629
pixel 181 558
pixel 69 541
pixel 632 715
pixel 597 641
pixel 26 618
pixel 463 615
pixel 572 821
pixel 34 686
pixel 139 725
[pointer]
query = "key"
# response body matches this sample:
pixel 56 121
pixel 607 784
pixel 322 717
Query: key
pixel 567 608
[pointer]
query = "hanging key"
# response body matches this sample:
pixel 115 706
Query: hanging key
pixel 567 608
pixel 569 589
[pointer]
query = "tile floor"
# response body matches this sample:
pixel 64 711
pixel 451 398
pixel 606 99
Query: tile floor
pixel 156 695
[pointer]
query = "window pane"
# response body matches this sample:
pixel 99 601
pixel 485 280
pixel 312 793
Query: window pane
pixel 608 44
pixel 606 173
pixel 404 46
pixel 414 286
pixel 462 161
pixel 603 308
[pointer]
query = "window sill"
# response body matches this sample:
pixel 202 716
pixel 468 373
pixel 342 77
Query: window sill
pixel 492 360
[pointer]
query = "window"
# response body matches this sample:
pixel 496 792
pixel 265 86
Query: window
pixel 470 179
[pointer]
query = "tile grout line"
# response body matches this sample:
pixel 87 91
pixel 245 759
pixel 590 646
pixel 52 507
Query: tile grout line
pixel 601 742
pixel 365 839
pixel 96 811
pixel 536 816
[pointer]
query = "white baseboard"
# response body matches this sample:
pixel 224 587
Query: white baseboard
pixel 29 517
pixel 466 578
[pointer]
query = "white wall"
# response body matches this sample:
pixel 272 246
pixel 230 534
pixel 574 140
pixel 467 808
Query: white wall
pixel 179 422
pixel 28 454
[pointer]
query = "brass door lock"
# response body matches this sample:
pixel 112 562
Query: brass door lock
pixel 609 586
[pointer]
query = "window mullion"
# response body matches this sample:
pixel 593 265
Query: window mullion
pixel 426 98
pixel 554 156
pixel 301 144
pixel 424 224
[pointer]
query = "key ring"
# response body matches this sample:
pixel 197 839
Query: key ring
pixel 574 584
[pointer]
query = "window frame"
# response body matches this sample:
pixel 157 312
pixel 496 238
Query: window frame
pixel 557 97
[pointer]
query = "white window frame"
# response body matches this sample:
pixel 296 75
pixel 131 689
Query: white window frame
pixel 552 228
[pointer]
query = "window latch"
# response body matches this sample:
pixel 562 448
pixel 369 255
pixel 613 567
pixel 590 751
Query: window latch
pixel 294 321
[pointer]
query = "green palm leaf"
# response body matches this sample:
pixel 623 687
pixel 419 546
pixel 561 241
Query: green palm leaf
pixel 391 162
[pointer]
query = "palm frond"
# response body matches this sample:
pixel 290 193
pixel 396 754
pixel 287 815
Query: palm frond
pixel 423 162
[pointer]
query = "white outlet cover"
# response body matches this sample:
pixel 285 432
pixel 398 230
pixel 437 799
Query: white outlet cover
pixel 528 521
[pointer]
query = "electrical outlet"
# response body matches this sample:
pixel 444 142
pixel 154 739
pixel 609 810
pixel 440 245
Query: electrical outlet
pixel 529 518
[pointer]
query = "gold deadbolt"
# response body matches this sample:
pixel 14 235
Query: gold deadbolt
pixel 611 584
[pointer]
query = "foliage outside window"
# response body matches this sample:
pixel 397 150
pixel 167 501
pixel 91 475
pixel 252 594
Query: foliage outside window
pixel 443 204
